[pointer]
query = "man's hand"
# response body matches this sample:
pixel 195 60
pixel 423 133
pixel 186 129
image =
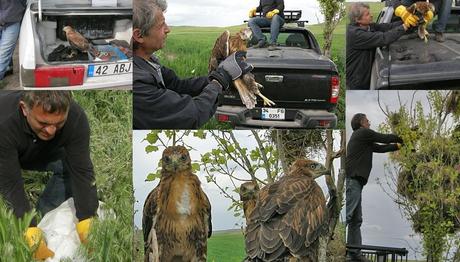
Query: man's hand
pixel 408 19
pixel 83 229
pixel 231 68
pixel 272 13
pixel 34 238
pixel 252 12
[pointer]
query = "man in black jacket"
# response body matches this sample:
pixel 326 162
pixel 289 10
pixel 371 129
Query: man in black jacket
pixel 46 131
pixel 11 12
pixel 363 142
pixel 363 36
pixel 273 17
pixel 160 99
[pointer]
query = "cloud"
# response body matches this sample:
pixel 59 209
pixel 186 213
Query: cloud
pixel 228 13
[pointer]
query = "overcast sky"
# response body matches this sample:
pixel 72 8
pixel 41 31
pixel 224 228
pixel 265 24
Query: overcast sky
pixel 383 223
pixel 228 13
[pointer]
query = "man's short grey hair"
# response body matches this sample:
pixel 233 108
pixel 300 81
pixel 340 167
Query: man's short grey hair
pixel 356 11
pixel 144 13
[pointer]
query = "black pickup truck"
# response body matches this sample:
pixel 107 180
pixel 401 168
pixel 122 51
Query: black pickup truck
pixel 302 82
pixel 410 63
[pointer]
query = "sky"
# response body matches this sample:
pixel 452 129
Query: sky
pixel 229 13
pixel 383 223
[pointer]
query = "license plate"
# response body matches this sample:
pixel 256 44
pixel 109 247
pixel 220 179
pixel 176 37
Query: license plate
pixel 110 69
pixel 273 113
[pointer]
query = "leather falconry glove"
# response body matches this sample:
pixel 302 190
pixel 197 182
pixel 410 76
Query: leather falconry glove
pixel 272 13
pixel 83 229
pixel 252 12
pixel 231 68
pixel 408 19
pixel 428 16
pixel 35 240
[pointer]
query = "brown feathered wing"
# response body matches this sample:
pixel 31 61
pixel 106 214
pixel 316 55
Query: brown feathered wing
pixel 148 227
pixel 288 219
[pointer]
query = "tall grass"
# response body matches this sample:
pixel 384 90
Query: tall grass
pixel 13 246
pixel 110 117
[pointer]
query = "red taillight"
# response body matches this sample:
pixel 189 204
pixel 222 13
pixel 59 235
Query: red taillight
pixel 222 118
pixel 335 87
pixel 324 123
pixel 59 76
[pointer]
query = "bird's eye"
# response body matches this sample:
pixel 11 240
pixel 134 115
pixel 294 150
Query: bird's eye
pixel 313 166
pixel 167 159
pixel 183 158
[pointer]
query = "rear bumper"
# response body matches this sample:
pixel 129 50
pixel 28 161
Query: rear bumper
pixel 243 118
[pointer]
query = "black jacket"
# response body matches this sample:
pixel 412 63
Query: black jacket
pixel 178 104
pixel 361 44
pixel 20 149
pixel 12 11
pixel 362 144
pixel 266 6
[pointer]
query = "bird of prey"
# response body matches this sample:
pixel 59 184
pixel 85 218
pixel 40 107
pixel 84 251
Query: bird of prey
pixel 225 45
pixel 79 42
pixel 289 217
pixel 176 218
pixel 248 195
pixel 420 9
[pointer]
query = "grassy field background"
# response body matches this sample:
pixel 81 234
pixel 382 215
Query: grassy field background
pixel 188 49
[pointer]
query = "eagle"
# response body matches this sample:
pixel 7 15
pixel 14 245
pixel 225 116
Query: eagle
pixel 76 40
pixel 420 8
pixel 225 45
pixel 176 220
pixel 289 216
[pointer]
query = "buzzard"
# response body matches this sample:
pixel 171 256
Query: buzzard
pixel 420 9
pixel 176 219
pixel 247 87
pixel 79 42
pixel 248 195
pixel 288 217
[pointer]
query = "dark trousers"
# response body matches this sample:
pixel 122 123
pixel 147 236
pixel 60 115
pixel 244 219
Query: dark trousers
pixel 58 189
pixel 354 214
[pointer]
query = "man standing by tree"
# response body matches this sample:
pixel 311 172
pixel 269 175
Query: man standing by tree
pixel 363 36
pixel 273 16
pixel 46 131
pixel 363 142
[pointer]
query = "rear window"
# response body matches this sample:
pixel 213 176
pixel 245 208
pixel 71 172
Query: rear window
pixel 84 3
pixel 292 39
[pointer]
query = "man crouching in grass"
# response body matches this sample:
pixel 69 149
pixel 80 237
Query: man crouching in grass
pixel 46 131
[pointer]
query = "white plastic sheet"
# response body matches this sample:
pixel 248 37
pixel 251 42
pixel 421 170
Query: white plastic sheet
pixel 59 227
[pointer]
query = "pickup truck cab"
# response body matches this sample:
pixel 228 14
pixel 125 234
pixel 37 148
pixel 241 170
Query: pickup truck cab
pixel 410 63
pixel 302 82
pixel 46 60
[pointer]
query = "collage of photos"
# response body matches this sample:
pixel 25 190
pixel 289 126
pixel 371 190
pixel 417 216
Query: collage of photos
pixel 230 131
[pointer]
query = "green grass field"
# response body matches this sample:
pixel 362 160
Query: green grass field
pixel 226 246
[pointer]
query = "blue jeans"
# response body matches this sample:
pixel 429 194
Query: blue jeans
pixel 275 24
pixel 354 214
pixel 8 37
pixel 443 12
